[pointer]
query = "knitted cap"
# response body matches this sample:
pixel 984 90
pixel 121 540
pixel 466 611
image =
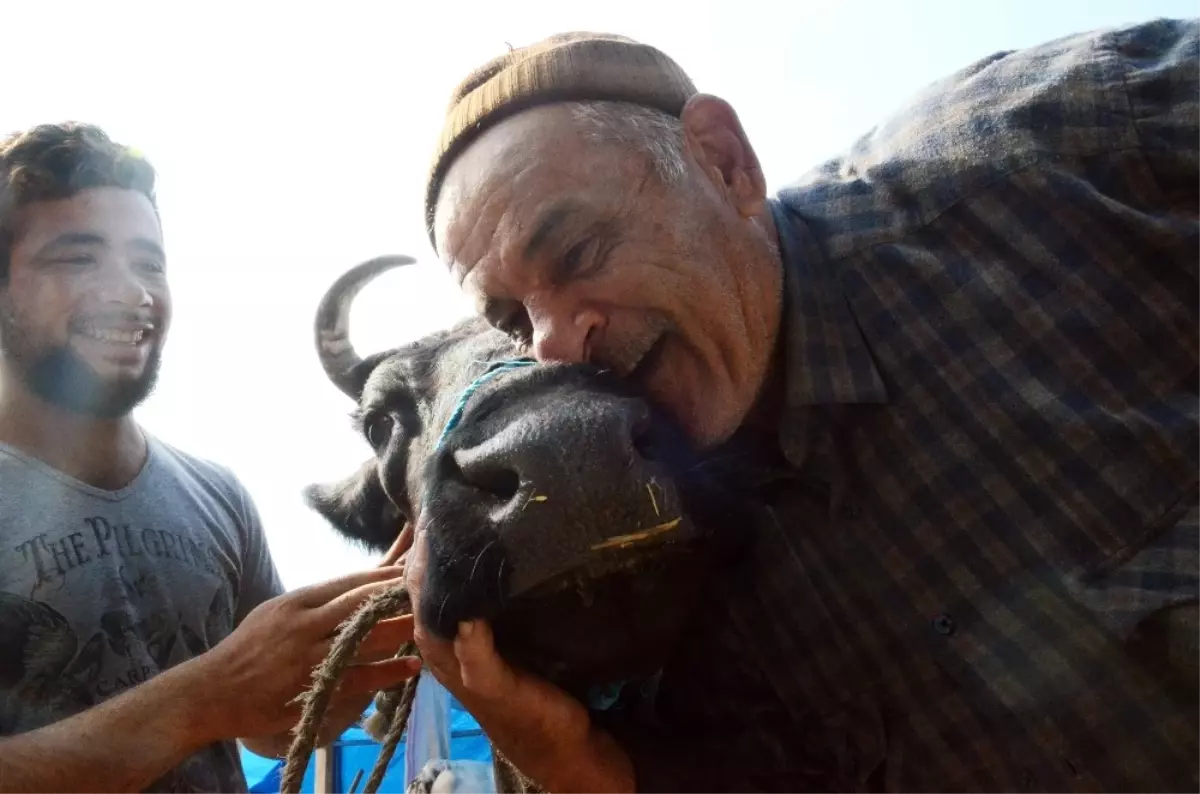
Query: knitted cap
pixel 563 67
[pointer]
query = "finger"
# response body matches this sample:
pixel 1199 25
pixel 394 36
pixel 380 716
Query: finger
pixel 484 673
pixel 315 595
pixel 437 651
pixel 369 678
pixel 281 718
pixel 399 547
pixel 516 710
pixel 414 566
pixel 381 642
pixel 343 713
pixel 318 653
pixel 396 568
pixel 385 639
pixel 372 655
pixel 327 617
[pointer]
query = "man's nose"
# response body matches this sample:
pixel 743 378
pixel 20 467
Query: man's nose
pixel 563 334
pixel 120 283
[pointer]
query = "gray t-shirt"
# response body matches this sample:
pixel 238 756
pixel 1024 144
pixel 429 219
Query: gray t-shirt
pixel 100 590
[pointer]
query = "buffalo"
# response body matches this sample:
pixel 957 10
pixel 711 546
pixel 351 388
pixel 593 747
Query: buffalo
pixel 560 504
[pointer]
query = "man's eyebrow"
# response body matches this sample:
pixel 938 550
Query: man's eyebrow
pixel 149 246
pixel 67 239
pixel 73 238
pixel 551 221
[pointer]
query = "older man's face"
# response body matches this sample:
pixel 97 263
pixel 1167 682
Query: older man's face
pixel 581 252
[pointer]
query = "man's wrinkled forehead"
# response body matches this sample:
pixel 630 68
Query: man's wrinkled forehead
pixel 473 196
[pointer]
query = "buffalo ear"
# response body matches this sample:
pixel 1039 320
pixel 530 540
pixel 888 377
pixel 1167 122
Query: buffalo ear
pixel 358 508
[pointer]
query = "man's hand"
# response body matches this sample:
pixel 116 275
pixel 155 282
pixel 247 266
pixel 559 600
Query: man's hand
pixel 250 678
pixel 542 730
pixel 341 715
pixel 396 554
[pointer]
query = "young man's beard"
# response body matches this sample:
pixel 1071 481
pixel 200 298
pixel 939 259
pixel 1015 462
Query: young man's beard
pixel 62 379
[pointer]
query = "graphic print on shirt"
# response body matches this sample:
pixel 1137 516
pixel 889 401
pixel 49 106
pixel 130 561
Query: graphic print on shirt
pixel 133 625
pixel 53 559
pixel 145 599
pixel 44 673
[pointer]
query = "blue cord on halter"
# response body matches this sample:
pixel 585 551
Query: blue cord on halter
pixel 602 697
pixel 491 372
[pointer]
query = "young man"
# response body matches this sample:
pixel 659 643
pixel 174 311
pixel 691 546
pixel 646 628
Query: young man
pixel 142 623
pixel 973 341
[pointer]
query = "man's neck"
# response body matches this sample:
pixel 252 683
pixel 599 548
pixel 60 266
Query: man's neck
pixel 765 414
pixel 767 411
pixel 104 453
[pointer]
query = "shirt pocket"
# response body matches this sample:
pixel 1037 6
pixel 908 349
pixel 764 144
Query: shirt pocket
pixel 1147 597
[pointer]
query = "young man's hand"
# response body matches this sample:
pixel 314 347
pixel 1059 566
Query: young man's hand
pixel 349 709
pixel 250 679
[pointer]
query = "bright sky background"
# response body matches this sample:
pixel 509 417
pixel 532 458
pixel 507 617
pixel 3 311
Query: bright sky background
pixel 293 143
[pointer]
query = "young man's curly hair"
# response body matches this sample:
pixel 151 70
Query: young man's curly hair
pixel 55 161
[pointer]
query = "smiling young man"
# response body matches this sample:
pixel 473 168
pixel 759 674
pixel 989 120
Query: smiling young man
pixel 143 626
pixel 972 341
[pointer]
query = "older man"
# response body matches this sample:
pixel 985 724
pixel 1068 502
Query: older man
pixel 973 343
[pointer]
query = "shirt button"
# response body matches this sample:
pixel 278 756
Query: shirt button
pixel 944 624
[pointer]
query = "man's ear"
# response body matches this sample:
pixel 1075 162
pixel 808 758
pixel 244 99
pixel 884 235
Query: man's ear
pixel 716 139
pixel 358 508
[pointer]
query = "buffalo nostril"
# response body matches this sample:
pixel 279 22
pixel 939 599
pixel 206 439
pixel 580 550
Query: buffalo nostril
pixel 655 438
pixel 642 438
pixel 492 477
pixel 648 439
pixel 499 482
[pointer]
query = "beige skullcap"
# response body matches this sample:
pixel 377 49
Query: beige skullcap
pixel 564 67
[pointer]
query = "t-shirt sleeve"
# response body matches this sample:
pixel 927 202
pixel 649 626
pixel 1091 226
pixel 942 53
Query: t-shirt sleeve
pixel 259 580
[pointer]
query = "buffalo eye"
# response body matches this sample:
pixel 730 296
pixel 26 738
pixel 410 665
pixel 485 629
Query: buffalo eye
pixel 379 429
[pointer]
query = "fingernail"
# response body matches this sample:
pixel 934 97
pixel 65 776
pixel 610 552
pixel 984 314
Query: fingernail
pixel 466 629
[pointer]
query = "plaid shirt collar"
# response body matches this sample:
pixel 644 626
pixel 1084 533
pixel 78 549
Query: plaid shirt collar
pixel 826 359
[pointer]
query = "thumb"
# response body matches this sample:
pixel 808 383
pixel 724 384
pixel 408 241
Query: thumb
pixel 481 668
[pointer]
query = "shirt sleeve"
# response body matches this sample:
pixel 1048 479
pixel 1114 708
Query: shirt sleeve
pixel 1160 66
pixel 260 580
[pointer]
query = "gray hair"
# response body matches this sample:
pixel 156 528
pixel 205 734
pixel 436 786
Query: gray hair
pixel 656 134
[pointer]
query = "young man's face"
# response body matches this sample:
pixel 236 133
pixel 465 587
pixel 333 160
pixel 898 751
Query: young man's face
pixel 85 310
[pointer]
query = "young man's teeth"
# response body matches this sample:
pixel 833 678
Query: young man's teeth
pixel 113 335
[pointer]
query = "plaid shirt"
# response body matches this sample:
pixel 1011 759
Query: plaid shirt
pixel 977 566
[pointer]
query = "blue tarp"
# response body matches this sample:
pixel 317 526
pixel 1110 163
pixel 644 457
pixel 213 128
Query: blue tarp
pixel 355 750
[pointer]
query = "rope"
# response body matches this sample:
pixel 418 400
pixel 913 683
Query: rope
pixel 400 707
pixel 495 369
pixel 394 706
pixel 326 675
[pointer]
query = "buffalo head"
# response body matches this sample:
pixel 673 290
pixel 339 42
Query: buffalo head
pixel 560 505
